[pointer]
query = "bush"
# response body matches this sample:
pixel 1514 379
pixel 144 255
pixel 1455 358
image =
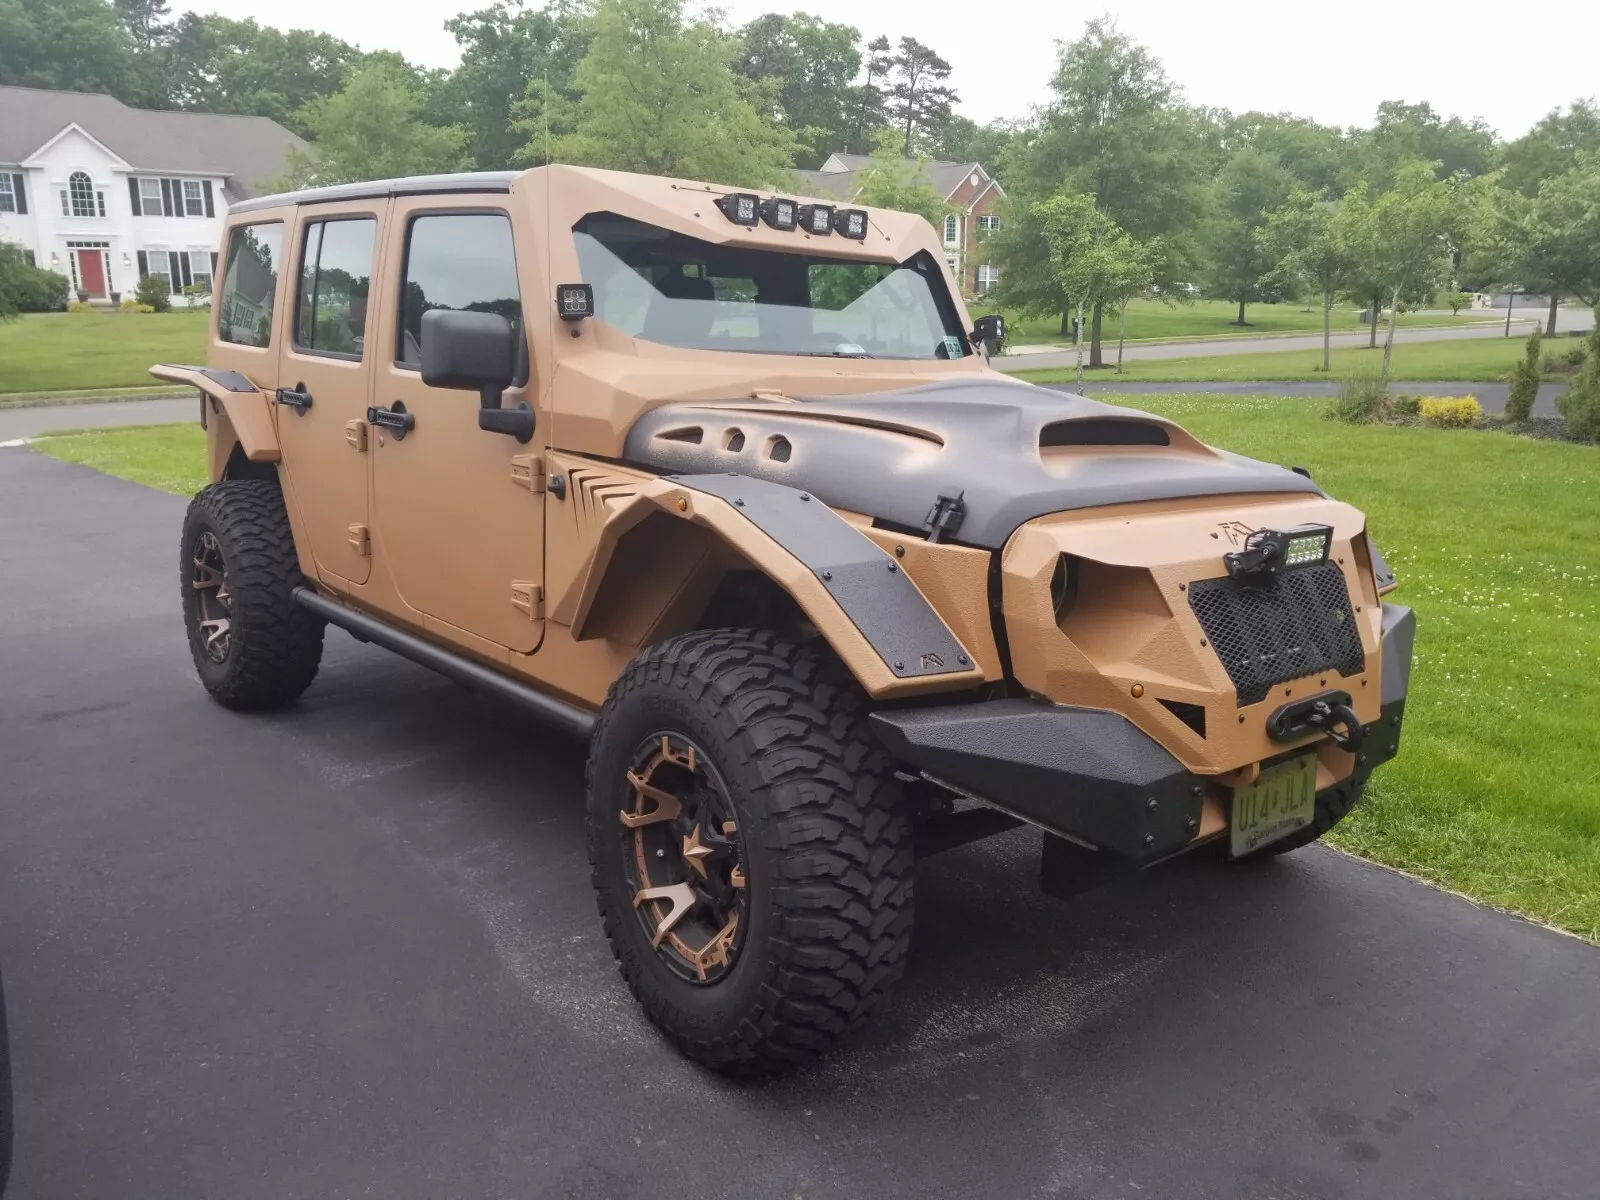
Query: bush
pixel 1449 412
pixel 1457 301
pixel 133 306
pixel 27 288
pixel 152 290
pixel 1525 382
pixel 1361 399
pixel 1407 406
pixel 199 296
pixel 81 306
pixel 1580 403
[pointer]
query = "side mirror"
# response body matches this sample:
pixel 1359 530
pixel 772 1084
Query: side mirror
pixel 989 330
pixel 475 350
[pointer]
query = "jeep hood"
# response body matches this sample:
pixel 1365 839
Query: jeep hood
pixel 1011 450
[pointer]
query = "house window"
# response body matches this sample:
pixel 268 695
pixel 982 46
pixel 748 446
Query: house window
pixel 82 195
pixel 989 222
pixel 200 268
pixel 953 263
pixel 951 230
pixel 988 278
pixel 158 265
pixel 150 197
pixel 8 197
pixel 194 200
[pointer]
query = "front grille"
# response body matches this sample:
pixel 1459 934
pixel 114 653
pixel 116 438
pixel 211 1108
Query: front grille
pixel 1297 624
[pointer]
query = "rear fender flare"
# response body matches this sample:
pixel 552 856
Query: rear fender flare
pixel 232 397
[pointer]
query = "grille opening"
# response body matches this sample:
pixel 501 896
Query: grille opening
pixel 1103 431
pixel 1298 624
pixel 778 449
pixel 1192 715
pixel 733 439
pixel 690 433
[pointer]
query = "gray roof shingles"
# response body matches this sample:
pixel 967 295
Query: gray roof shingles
pixel 252 151
pixel 945 177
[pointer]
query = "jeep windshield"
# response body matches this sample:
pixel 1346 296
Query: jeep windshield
pixel 666 287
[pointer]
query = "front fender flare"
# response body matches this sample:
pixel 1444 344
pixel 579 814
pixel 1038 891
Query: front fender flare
pixel 231 394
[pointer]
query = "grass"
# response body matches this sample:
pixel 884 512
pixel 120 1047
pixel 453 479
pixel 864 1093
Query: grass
pixel 1464 359
pixel 1204 319
pixel 1496 792
pixel 63 352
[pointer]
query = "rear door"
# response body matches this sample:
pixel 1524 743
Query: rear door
pixel 325 378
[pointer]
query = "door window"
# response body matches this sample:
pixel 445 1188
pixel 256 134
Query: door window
pixel 249 283
pixel 335 277
pixel 461 261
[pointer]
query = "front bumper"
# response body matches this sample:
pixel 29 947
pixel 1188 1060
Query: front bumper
pixel 1092 776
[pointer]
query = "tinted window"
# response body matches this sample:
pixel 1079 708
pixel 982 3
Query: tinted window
pixel 662 286
pixel 250 283
pixel 462 261
pixel 335 276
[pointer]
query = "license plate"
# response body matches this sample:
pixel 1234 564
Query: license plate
pixel 1282 800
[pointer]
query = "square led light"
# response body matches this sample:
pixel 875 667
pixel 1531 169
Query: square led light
pixel 781 214
pixel 817 219
pixel 574 301
pixel 851 223
pixel 740 207
pixel 1306 545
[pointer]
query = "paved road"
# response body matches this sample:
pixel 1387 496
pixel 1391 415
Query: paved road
pixel 1492 396
pixel 349 950
pixel 31 422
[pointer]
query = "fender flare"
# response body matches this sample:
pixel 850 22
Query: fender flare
pixel 232 395
pixel 869 610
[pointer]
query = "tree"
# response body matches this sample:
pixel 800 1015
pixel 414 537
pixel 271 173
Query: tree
pixel 1021 251
pixel 1551 147
pixel 657 94
pixel 1092 258
pixel 1525 376
pixel 1407 133
pixel 76 45
pixel 1580 403
pixel 145 21
pixel 1303 237
pixel 963 140
pixel 812 63
pixel 918 96
pixel 1551 241
pixel 890 180
pixel 1316 155
pixel 371 130
pixel 1252 184
pixel 868 99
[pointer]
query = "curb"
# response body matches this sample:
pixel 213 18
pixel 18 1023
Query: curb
pixel 62 401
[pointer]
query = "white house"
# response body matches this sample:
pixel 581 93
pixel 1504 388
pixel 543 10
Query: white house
pixel 105 193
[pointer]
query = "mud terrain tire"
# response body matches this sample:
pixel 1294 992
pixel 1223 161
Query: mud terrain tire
pixel 1333 805
pixel 273 646
pixel 824 842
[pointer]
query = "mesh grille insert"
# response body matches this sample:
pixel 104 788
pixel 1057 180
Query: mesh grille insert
pixel 1298 624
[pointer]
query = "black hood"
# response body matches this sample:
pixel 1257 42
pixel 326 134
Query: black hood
pixel 1010 450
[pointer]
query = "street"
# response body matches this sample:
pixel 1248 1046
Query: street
pixel 350 949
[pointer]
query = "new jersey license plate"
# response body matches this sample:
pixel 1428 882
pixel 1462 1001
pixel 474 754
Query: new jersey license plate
pixel 1282 800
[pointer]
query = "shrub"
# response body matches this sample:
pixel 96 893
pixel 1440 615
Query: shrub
pixel 199 296
pixel 1361 399
pixel 1457 301
pixel 1449 412
pixel 152 290
pixel 133 306
pixel 81 306
pixel 1407 406
pixel 1525 382
pixel 1580 403
pixel 27 288
pixel 1576 356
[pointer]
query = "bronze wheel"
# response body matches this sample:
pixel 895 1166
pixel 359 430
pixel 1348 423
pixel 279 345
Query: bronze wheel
pixel 679 840
pixel 209 579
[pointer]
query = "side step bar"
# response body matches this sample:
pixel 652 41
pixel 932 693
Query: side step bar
pixel 473 676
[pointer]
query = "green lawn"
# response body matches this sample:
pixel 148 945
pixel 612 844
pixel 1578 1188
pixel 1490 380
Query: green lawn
pixel 1464 359
pixel 1151 319
pixel 57 352
pixel 1496 792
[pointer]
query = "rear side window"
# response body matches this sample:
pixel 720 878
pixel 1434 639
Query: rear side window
pixel 250 284
pixel 462 261
pixel 335 277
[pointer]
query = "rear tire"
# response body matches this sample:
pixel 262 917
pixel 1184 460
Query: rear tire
pixel 254 648
pixel 809 845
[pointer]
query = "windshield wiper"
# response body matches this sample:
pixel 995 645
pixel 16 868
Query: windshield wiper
pixel 832 354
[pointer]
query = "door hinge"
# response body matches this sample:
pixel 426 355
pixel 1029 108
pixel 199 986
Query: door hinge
pixel 361 541
pixel 528 598
pixel 527 471
pixel 355 436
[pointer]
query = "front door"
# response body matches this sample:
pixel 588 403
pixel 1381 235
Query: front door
pixel 91 272
pixel 325 376
pixel 459 511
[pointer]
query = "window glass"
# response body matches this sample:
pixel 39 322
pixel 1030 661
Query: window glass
pixel 150 197
pixel 250 283
pixel 335 275
pixel 8 199
pixel 662 286
pixel 949 230
pixel 461 261
pixel 158 266
pixel 200 267
pixel 194 201
pixel 82 193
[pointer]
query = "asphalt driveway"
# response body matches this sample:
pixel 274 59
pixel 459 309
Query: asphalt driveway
pixel 349 950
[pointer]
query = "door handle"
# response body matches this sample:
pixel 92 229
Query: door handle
pixel 396 419
pixel 296 398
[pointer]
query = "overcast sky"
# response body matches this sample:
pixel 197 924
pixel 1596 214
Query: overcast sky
pixel 1508 63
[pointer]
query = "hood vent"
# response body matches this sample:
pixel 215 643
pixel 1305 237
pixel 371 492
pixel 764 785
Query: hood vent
pixel 1102 431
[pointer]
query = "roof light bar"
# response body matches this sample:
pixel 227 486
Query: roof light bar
pixel 851 223
pixel 741 208
pixel 817 219
pixel 780 213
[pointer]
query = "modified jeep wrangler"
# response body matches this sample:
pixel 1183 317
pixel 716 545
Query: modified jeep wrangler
pixel 723 482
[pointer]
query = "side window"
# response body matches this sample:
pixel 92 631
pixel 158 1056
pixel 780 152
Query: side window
pixel 462 261
pixel 250 284
pixel 335 276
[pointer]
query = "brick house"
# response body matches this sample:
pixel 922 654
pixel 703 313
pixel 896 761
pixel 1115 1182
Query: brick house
pixel 105 193
pixel 970 190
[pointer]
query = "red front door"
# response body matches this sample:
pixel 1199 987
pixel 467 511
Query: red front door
pixel 91 272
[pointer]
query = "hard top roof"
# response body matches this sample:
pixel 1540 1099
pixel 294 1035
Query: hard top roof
pixel 415 185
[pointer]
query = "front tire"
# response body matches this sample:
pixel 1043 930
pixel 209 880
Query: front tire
pixel 750 849
pixel 254 648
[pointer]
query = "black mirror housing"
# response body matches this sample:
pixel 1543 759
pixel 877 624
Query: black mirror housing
pixel 479 351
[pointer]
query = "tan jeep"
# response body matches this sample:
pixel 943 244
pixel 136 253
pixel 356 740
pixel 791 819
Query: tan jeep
pixel 723 482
